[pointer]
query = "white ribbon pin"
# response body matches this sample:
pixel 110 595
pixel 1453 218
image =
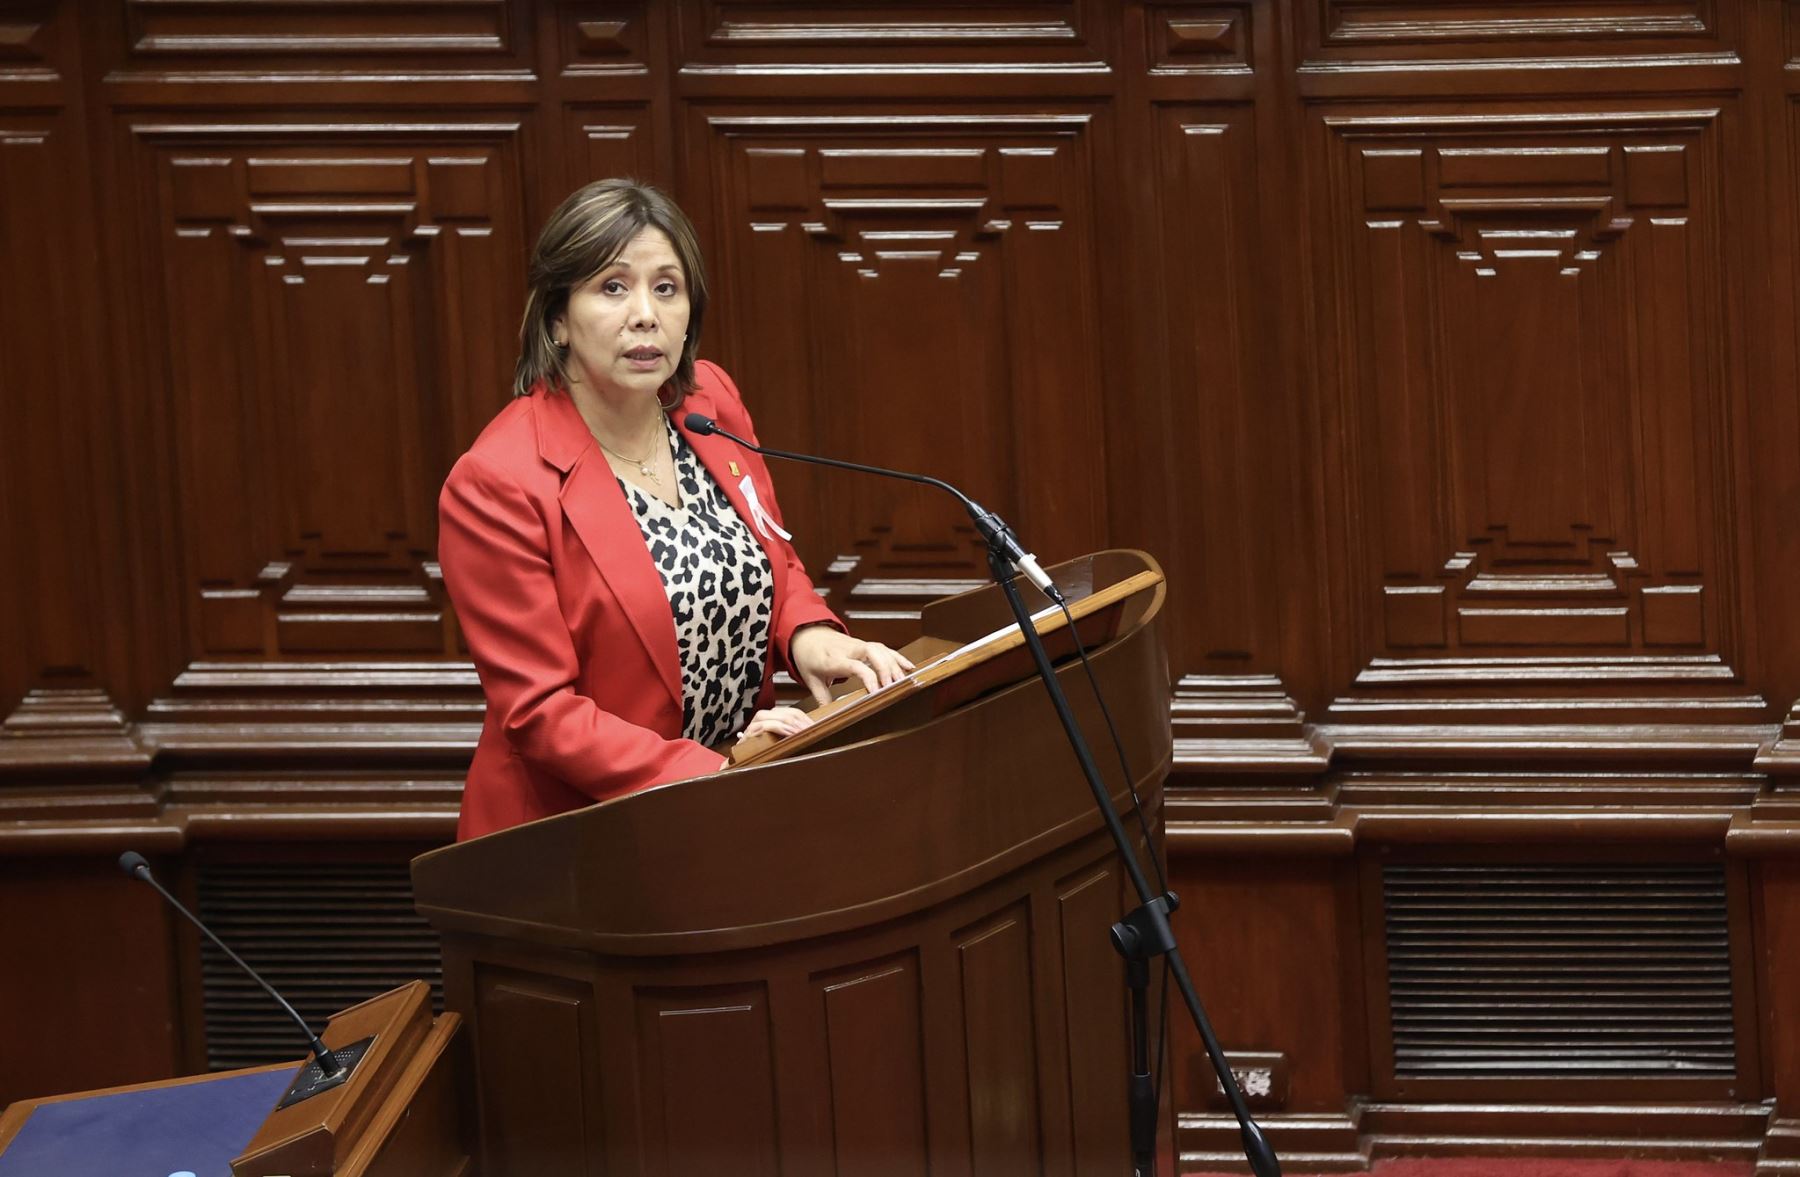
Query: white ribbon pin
pixel 764 521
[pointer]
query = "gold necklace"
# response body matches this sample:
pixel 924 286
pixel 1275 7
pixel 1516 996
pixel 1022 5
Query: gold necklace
pixel 643 463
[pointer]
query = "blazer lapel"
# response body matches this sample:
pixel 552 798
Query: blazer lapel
pixel 596 508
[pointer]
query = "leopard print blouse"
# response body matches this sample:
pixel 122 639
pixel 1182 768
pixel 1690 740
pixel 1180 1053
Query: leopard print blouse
pixel 720 592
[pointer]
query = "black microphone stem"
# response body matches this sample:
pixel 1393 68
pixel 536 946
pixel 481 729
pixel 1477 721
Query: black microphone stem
pixel 994 530
pixel 926 479
pixel 137 868
pixel 1145 932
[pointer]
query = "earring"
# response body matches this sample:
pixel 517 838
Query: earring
pixel 562 343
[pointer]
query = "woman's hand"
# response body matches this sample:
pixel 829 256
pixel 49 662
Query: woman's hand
pixel 779 721
pixel 823 655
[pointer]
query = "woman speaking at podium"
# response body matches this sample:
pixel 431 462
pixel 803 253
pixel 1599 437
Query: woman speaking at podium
pixel 625 585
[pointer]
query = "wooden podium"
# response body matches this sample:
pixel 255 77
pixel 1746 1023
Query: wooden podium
pixel 880 950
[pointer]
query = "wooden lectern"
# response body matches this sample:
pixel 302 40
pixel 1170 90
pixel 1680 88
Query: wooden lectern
pixel 881 951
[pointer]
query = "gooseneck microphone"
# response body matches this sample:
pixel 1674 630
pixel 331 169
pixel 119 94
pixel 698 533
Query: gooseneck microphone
pixel 133 864
pixel 994 530
pixel 1145 933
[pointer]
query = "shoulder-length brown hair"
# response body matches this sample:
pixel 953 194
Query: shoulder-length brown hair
pixel 587 233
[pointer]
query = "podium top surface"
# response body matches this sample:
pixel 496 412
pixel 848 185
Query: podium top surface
pixel 912 808
pixel 158 1130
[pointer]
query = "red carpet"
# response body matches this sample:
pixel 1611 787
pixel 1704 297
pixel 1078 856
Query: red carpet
pixel 1553 1167
pixel 1547 1167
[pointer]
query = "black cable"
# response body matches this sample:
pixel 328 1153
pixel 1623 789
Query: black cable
pixel 1162 1062
pixel 1162 882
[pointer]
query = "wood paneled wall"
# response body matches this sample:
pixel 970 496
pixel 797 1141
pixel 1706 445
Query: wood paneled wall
pixel 1442 352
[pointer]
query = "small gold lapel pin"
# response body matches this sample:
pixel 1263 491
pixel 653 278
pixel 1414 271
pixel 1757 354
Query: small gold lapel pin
pixel 734 469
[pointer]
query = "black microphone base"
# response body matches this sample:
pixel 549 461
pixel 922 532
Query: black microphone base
pixel 312 1079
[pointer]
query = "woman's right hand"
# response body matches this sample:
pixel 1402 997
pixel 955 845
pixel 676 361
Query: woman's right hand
pixel 778 721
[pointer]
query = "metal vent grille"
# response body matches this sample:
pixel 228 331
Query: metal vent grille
pixel 326 935
pixel 1559 971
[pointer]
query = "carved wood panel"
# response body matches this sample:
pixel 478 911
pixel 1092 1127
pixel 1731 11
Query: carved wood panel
pixel 47 603
pixel 1220 443
pixel 35 41
pixel 606 141
pixel 65 619
pixel 1770 477
pixel 915 291
pixel 337 333
pixel 747 35
pixel 1025 188
pixel 266 35
pixel 1529 316
pixel 1443 352
pixel 1211 39
pixel 1430 28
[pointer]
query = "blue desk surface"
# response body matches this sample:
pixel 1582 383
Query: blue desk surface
pixel 194 1128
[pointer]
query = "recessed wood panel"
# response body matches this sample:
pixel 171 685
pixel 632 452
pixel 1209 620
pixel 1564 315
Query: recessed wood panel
pixel 397 252
pixel 1221 445
pixel 50 615
pixel 601 40
pixel 939 262
pixel 753 34
pixel 1777 949
pixel 1413 615
pixel 708 1081
pixel 274 28
pixel 605 141
pixel 32 37
pixel 1095 1010
pixel 1277 946
pixel 1532 325
pixel 999 1036
pixel 1578 166
pixel 875 1048
pixel 534 1102
pixel 1200 39
pixel 49 968
pixel 1779 420
pixel 1598 626
pixel 1517 26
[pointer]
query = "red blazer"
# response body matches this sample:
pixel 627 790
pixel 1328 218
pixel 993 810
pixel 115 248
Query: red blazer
pixel 565 613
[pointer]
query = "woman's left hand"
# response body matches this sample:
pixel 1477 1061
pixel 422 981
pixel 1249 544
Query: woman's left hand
pixel 822 655
pixel 781 722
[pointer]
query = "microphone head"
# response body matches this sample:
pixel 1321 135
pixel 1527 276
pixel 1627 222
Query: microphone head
pixel 700 423
pixel 131 862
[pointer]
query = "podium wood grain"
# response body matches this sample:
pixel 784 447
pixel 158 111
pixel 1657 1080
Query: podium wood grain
pixel 884 955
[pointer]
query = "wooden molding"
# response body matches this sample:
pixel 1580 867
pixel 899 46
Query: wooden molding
pixel 1227 725
pixel 64 733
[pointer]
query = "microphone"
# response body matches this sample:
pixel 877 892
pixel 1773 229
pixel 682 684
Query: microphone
pixel 133 864
pixel 1000 538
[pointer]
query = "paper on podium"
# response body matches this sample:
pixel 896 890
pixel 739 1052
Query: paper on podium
pixel 939 662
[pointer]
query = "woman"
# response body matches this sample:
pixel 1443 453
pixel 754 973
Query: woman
pixel 625 585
